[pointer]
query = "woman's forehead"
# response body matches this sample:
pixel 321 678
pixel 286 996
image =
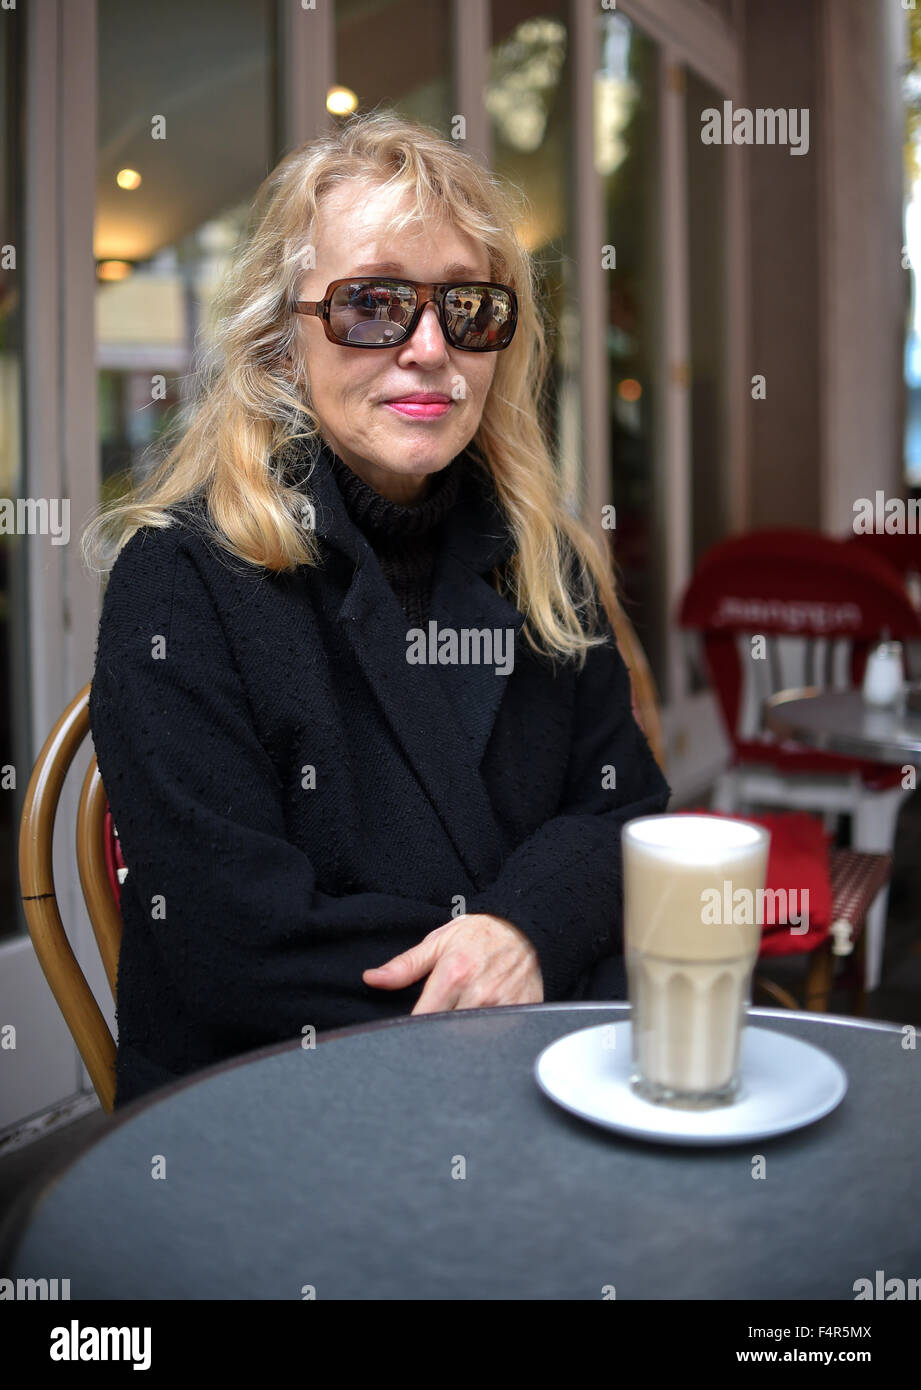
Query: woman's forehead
pixel 366 203
pixel 369 211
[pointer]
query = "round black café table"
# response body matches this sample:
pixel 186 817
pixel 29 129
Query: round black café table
pixel 334 1168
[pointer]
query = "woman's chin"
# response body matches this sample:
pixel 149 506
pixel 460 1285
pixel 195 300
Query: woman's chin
pixel 417 456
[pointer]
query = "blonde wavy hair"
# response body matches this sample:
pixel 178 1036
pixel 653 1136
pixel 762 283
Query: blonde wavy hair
pixel 249 409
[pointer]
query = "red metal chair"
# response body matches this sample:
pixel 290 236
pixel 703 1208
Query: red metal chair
pixel 817 604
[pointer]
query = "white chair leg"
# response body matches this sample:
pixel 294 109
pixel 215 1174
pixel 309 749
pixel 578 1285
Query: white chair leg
pixel 725 793
pixel 875 817
pixel 875 929
pixel 874 826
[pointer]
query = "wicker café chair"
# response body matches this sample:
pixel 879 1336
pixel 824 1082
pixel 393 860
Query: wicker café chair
pixel 99 863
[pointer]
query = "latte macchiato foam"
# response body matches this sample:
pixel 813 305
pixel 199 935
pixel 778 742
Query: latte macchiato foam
pixel 689 974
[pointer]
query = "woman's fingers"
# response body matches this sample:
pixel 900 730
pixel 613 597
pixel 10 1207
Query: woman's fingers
pixel 409 966
pixel 471 962
pixel 450 981
pixel 401 971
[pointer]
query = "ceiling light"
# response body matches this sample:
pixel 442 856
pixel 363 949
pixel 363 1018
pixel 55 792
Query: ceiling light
pixel 341 101
pixel 113 270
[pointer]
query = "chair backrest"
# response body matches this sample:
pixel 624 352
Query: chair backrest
pixel 643 686
pixel 96 854
pixel 817 602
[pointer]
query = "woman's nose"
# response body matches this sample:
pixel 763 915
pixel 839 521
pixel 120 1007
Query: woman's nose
pixel 429 337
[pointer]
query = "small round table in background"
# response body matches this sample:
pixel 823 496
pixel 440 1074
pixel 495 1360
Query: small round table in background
pixel 418 1159
pixel 838 721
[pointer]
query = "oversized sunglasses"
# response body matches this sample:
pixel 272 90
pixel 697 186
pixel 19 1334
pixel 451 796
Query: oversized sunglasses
pixel 476 315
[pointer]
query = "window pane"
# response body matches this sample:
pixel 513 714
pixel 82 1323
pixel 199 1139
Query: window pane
pixel 192 116
pixel 14 701
pixel 397 54
pixel 528 100
pixel 626 155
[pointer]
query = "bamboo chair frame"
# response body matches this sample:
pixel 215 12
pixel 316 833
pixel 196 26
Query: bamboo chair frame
pixel 68 984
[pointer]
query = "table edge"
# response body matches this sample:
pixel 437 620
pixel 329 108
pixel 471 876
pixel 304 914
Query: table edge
pixel 850 745
pixel 18 1217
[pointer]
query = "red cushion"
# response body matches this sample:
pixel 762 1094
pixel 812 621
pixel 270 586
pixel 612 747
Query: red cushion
pixel 797 859
pixel 113 854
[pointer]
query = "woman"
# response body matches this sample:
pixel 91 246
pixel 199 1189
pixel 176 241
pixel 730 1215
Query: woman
pixel 357 706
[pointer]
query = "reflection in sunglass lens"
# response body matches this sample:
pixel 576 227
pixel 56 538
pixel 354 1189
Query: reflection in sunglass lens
pixel 377 313
pixel 478 316
pixel 372 311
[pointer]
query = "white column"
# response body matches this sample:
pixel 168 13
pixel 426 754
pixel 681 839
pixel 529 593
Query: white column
pixel 306 70
pixel 673 463
pixel 862 321
pixel 470 43
pixel 591 287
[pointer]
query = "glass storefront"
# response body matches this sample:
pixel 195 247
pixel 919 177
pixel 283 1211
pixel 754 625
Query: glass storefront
pixel 528 98
pixel 626 156
pixel 397 54
pixel 172 198
pixel 706 203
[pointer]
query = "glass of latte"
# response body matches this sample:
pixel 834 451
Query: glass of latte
pixel 693 908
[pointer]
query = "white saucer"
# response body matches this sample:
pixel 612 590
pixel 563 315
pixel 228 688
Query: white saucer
pixel 784 1084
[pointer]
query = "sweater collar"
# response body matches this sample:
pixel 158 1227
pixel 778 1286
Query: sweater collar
pixel 394 523
pixel 475 529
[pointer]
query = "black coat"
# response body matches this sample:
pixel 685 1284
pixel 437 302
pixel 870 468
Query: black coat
pixel 297 802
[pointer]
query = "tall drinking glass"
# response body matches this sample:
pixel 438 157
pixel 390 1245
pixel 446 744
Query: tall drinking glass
pixel 693 908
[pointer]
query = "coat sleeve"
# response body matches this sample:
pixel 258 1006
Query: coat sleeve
pixel 247 937
pixel 562 886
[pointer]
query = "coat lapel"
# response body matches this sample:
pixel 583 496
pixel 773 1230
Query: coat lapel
pixel 460 700
pixel 463 597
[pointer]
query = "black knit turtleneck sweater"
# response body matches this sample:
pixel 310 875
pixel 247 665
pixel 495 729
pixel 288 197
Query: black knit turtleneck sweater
pixel 404 539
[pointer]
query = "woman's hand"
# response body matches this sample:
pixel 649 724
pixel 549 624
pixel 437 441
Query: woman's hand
pixel 472 962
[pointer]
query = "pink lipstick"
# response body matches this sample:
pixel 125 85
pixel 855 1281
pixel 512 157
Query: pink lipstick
pixel 421 405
